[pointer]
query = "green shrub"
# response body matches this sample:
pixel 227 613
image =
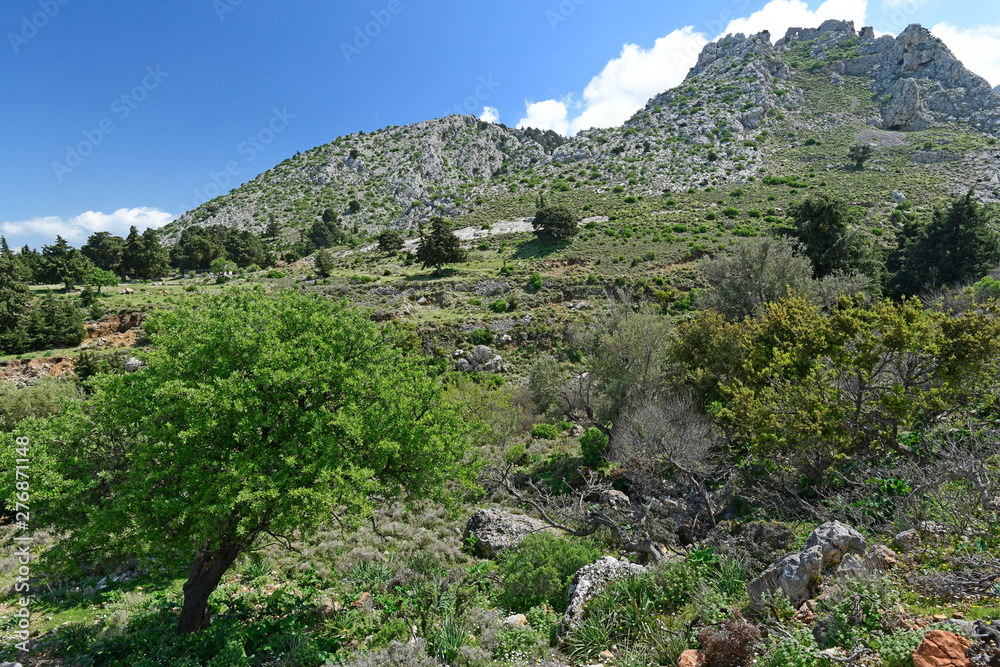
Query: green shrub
pixel 896 650
pixel 481 337
pixel 592 444
pixel 541 570
pixel 710 216
pixel 275 274
pixel 856 607
pixel 544 432
pixel 798 651
pixel 731 212
pixel 535 281
pixel 499 306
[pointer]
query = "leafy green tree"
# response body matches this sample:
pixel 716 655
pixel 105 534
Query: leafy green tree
pixel 555 223
pixel 830 238
pixel 105 250
pixel 256 417
pixel 61 263
pixel 100 278
pixel 812 389
pixel 440 246
pixel 324 264
pixel 859 154
pixel 31 263
pixel 390 240
pixel 955 246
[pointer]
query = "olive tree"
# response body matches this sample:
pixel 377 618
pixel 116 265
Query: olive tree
pixel 254 417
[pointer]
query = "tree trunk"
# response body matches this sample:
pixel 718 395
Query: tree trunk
pixel 203 578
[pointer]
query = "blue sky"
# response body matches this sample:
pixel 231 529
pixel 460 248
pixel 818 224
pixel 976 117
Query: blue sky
pixel 120 113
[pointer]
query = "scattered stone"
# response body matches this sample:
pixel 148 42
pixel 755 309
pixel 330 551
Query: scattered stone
pixel 942 649
pixel 494 530
pixel 898 196
pixel 691 658
pixel 481 359
pixel 518 620
pixel 132 364
pixel 326 608
pixel 908 540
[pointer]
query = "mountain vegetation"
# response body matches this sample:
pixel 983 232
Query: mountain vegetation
pixel 715 387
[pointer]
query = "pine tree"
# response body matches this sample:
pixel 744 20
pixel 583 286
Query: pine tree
pixel 555 223
pixel 61 263
pixel 440 246
pixel 955 246
pixel 14 297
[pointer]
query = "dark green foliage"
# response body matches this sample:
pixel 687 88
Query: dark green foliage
pixel 324 264
pixel 245 248
pixel 14 297
pixel 326 234
pixel 105 251
pixel 826 228
pixel 440 246
pixel 555 223
pixel 541 570
pixel 955 246
pixel 592 444
pixel 63 264
pixel 144 257
pixel 198 248
pixel 354 206
pixel 859 154
pixel 43 398
pixel 390 241
pixel 499 306
pixel 535 282
pixel 50 324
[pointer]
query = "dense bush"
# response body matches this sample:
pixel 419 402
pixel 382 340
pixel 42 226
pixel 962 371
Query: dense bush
pixel 592 444
pixel 541 570
pixel 732 645
pixel 45 397
pixel 544 432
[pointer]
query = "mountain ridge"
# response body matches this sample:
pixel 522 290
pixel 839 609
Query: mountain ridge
pixel 743 104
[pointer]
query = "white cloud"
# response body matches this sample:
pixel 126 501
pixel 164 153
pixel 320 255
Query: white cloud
pixel 978 48
pixel 627 82
pixel 78 228
pixel 778 16
pixel 623 86
pixel 547 115
pixel 490 114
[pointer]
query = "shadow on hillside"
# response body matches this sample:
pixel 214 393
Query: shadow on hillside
pixel 431 276
pixel 535 249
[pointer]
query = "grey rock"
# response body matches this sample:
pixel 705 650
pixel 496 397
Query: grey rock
pixel 494 365
pixel 132 364
pixel 495 530
pixel 836 541
pixel 908 540
pixel 588 582
pixel 463 366
pixel 517 620
pixel 797 574
pixel 898 196
pixel 480 354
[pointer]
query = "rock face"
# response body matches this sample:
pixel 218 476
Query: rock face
pixel 797 574
pixel 588 582
pixel 495 530
pixel 908 540
pixel 481 359
pixel 942 649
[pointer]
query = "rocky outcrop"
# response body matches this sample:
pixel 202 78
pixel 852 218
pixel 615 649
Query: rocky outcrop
pixel 942 649
pixel 588 582
pixel 494 530
pixel 481 359
pixel 797 574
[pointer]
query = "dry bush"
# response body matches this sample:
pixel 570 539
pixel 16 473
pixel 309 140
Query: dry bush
pixel 731 645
